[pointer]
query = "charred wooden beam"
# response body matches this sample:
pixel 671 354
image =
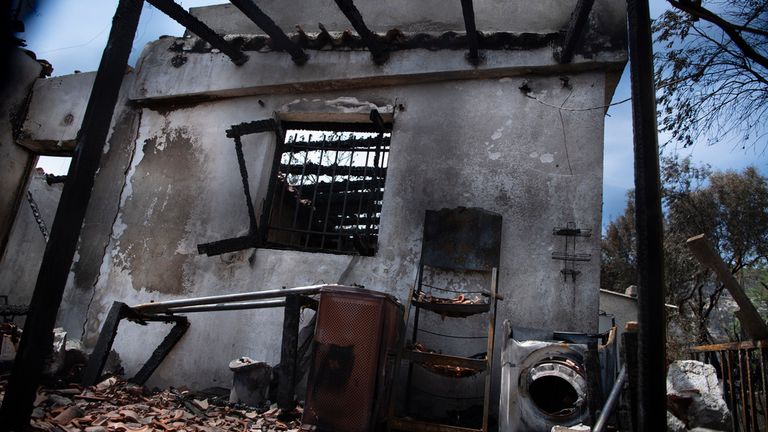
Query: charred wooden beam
pixel 354 197
pixel 37 337
pixel 288 353
pixel 345 186
pixel 280 39
pixel 103 346
pixel 311 169
pixel 340 145
pixel 378 51
pixel 649 222
pixel 258 126
pixel 181 16
pixel 228 245
pixel 576 29
pixel 472 40
pixel 162 350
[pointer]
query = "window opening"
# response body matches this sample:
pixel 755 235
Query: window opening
pixel 328 188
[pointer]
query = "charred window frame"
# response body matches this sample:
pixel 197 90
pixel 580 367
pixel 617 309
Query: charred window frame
pixel 327 186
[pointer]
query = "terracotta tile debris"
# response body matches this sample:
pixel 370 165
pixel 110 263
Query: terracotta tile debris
pixel 117 405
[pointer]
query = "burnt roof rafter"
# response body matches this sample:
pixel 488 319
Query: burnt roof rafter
pixel 378 51
pixel 468 10
pixel 278 36
pixel 180 15
pixel 577 27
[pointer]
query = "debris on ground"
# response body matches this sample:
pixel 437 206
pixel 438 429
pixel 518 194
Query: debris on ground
pixel 694 398
pixel 116 405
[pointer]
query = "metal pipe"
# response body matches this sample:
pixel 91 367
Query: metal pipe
pixel 227 306
pixel 648 217
pixel 610 403
pixel 163 306
pixel 57 259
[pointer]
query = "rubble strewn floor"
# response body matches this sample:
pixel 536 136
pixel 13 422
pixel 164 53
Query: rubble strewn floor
pixel 116 405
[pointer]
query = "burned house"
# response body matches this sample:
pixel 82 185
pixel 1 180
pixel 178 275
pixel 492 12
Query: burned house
pixel 311 156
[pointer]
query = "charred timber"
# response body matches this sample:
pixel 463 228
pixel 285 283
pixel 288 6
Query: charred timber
pixel 576 29
pixel 378 51
pixel 468 11
pixel 178 14
pixel 279 38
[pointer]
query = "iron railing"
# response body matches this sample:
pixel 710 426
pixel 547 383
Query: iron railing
pixel 741 368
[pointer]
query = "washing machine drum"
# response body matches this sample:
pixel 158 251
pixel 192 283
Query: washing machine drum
pixel 543 384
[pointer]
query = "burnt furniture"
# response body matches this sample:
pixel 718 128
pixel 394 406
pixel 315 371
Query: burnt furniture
pixel 356 344
pixel 466 242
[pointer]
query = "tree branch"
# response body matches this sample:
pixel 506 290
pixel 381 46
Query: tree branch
pixel 730 29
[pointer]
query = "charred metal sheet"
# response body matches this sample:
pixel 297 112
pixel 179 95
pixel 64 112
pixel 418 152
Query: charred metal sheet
pixel 577 27
pixel 370 39
pixel 395 40
pixel 178 14
pixel 462 238
pixel 65 232
pixel 258 126
pixel 279 39
pixel 468 11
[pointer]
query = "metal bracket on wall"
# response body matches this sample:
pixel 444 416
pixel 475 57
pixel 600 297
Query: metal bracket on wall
pixel 569 256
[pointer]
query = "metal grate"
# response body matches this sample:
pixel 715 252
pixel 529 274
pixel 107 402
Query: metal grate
pixel 328 190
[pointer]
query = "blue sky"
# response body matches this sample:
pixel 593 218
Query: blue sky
pixel 71 34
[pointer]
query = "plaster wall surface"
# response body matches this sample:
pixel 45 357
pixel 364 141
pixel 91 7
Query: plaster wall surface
pixel 15 162
pixel 468 143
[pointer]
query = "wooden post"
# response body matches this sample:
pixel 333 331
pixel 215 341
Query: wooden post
pixel 37 338
pixel 288 353
pixel 747 314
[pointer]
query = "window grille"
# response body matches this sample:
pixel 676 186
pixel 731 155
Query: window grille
pixel 327 190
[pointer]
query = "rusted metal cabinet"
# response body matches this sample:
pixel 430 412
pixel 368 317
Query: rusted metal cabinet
pixel 356 341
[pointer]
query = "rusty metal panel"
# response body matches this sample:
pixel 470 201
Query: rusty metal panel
pixel 355 337
pixel 462 239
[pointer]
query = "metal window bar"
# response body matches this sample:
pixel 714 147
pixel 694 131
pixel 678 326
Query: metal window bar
pixel 742 370
pixel 331 182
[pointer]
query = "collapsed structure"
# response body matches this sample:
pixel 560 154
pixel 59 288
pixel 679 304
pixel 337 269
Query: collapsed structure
pixel 259 161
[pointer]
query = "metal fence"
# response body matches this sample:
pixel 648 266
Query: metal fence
pixel 741 368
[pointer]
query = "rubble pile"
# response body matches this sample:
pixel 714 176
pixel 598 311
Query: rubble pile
pixel 116 405
pixel 459 299
pixel 445 369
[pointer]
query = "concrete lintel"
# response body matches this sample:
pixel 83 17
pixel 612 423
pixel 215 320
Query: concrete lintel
pixel 159 81
pixel 55 113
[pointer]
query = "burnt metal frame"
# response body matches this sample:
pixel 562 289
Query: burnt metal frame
pixel 252 239
pixel 468 11
pixel 118 312
pixel 57 259
pixel 377 125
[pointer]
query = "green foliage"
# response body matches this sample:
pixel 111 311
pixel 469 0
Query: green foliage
pixel 730 208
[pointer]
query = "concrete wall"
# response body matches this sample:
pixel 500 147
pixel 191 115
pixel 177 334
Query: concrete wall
pixel 15 162
pixel 20 265
pixel 462 136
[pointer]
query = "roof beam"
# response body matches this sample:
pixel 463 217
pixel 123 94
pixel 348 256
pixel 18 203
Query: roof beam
pixel 379 53
pixel 181 16
pixel 280 39
pixel 575 32
pixel 468 11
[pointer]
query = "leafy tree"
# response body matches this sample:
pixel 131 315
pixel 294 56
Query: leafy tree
pixel 730 208
pixel 712 71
